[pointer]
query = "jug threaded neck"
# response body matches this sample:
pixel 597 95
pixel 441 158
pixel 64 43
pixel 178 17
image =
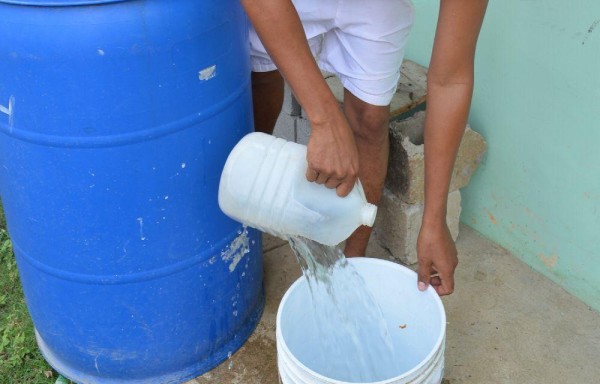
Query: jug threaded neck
pixel 368 214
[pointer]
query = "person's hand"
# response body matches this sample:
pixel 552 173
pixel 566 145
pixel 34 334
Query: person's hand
pixel 332 155
pixel 437 258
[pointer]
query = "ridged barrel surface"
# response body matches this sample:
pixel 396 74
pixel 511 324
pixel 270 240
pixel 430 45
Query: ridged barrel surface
pixel 116 118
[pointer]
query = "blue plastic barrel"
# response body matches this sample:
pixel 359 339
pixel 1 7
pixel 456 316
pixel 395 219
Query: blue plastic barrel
pixel 116 118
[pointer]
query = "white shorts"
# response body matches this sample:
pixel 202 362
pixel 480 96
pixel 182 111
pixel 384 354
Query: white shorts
pixel 361 41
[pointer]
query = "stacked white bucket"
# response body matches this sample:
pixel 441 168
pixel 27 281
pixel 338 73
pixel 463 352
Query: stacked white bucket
pixel 416 322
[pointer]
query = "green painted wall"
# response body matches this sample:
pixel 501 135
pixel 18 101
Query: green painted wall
pixel 537 103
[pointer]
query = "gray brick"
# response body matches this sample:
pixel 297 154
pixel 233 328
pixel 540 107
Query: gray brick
pixel 397 225
pixel 285 127
pixel 406 169
pixel 303 130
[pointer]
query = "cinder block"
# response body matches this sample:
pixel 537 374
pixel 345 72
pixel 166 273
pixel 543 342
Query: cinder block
pixel 406 169
pixel 290 104
pixel 402 168
pixel 292 128
pixel 410 94
pixel 302 130
pixel 397 225
pixel 415 74
pixel 412 89
pixel 285 127
pixel 471 151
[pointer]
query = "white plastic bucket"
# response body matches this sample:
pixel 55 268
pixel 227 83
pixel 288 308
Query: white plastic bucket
pixel 416 322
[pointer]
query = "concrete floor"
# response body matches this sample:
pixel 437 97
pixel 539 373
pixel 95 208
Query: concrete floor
pixel 506 323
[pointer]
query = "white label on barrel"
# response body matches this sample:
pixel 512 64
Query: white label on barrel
pixel 236 250
pixel 207 73
pixel 9 110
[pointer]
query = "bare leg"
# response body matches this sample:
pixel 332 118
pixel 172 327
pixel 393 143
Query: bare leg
pixel 267 97
pixel 370 126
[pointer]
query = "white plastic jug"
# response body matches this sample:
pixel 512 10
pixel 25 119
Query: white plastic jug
pixel 263 185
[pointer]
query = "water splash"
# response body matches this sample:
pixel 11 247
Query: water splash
pixel 353 334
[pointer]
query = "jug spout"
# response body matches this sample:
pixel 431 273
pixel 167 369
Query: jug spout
pixel 368 214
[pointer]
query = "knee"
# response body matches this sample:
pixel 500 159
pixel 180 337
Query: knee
pixel 370 124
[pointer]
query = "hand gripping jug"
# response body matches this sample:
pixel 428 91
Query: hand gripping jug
pixel 263 185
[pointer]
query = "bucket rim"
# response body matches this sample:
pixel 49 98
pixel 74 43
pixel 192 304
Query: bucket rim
pixel 391 380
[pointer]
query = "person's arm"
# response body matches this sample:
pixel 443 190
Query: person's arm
pixel 332 155
pixel 449 91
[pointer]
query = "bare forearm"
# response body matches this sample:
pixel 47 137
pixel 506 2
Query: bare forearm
pixel 332 156
pixel 450 88
pixel 447 113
